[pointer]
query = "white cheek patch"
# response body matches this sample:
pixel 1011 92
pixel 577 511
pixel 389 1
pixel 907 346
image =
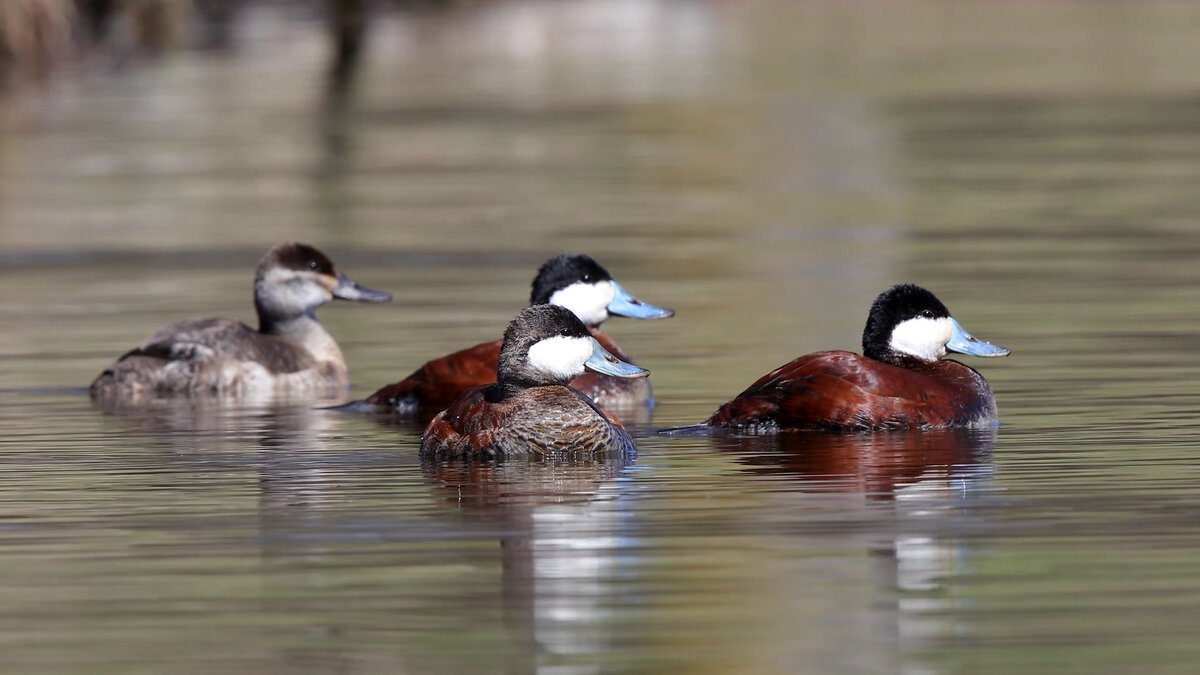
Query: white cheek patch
pixel 560 357
pixel 588 301
pixel 288 291
pixel 923 338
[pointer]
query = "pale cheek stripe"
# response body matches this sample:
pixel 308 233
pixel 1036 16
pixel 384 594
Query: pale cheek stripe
pixel 589 302
pixel 287 291
pixel 922 338
pixel 561 357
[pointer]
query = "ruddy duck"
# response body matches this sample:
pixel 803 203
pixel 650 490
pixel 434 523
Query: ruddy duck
pixel 290 353
pixel 571 280
pixel 530 409
pixel 900 381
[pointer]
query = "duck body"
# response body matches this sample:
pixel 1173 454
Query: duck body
pixel 223 357
pixel 556 420
pixel 574 281
pixel 290 354
pixel 530 410
pixel 899 382
pixel 435 385
pixel 839 390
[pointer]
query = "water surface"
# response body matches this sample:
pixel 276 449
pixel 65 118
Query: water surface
pixel 765 169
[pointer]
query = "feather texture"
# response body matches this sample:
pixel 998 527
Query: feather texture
pixel 843 390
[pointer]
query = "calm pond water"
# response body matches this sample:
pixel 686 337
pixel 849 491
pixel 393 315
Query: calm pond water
pixel 765 169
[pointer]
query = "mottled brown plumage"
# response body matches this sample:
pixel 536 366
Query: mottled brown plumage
pixel 291 354
pixel 548 420
pixel 529 410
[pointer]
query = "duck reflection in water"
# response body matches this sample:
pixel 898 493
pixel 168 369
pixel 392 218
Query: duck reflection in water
pixel 213 423
pixel 561 527
pixel 876 464
pixel 902 500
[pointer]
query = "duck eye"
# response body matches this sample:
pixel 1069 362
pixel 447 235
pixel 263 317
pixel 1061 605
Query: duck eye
pixel 927 313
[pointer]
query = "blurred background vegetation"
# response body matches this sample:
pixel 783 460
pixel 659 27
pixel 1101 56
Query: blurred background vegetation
pixel 37 35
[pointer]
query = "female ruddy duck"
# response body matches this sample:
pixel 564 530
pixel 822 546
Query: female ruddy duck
pixel 530 409
pixel 289 354
pixel 572 280
pixel 900 381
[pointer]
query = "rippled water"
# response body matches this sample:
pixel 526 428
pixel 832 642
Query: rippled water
pixel 765 169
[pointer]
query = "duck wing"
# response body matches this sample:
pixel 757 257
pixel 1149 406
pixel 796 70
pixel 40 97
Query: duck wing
pixel 834 390
pixel 199 355
pixel 541 421
pixel 435 385
pixel 223 339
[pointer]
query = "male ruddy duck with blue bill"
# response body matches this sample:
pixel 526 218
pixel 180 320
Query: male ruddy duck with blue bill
pixel 899 382
pixel 290 354
pixel 530 409
pixel 574 281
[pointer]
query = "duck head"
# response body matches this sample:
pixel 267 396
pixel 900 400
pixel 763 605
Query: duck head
pixel 548 344
pixel 579 283
pixel 294 279
pixel 909 321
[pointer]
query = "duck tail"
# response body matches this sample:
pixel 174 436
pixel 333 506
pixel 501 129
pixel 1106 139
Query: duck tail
pixel 700 429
